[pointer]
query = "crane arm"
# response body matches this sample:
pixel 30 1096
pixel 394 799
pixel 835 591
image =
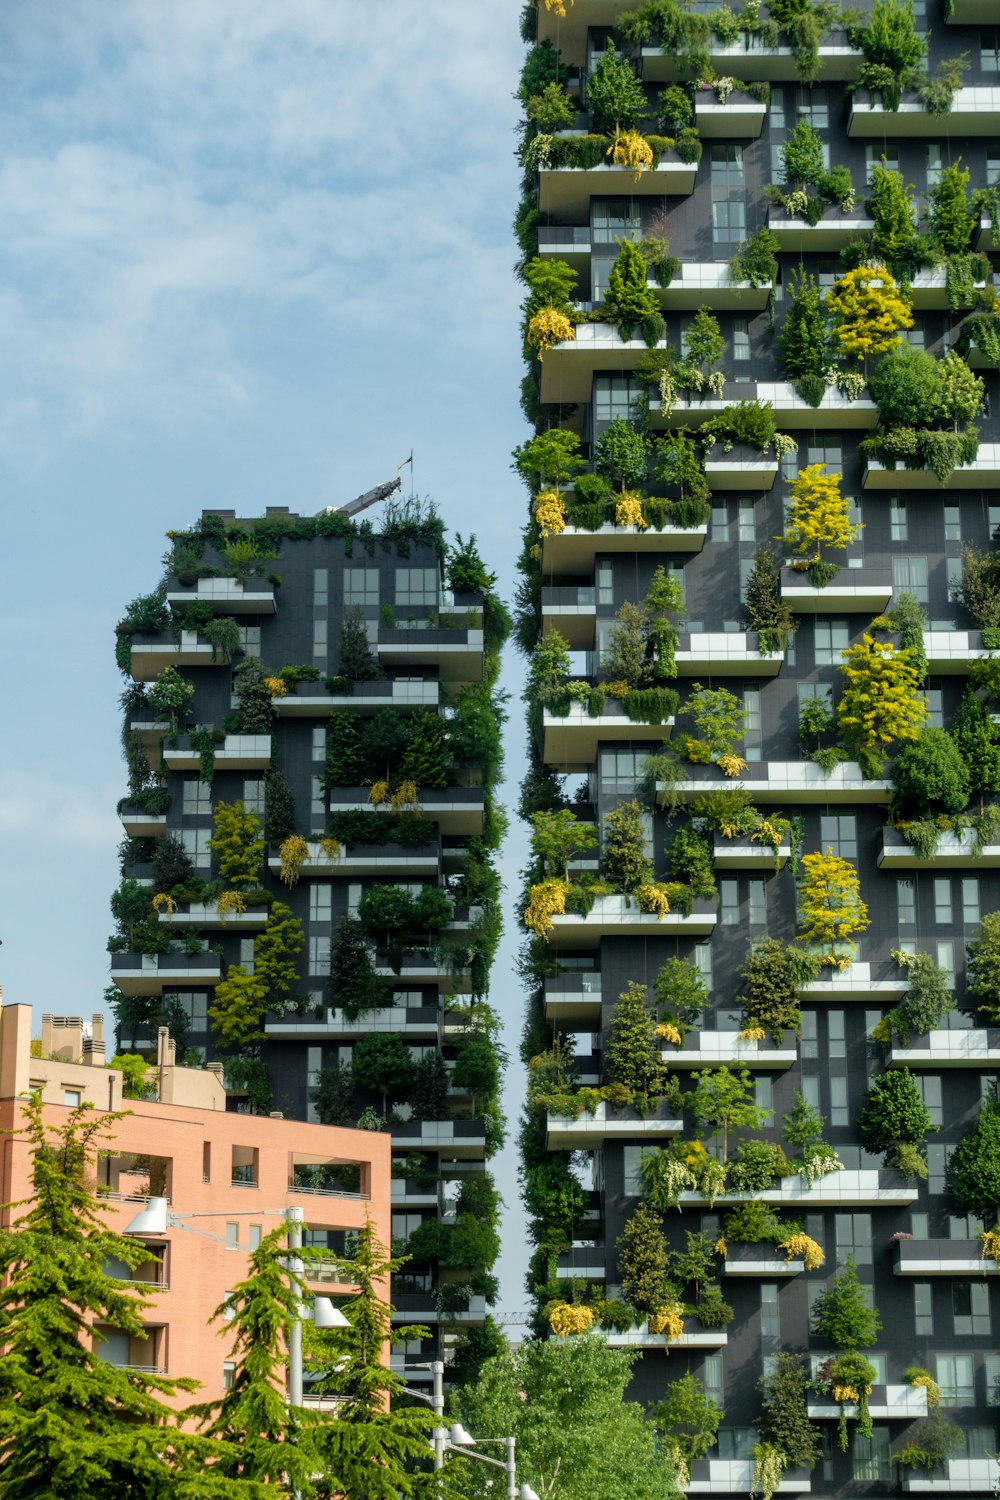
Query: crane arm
pixel 370 497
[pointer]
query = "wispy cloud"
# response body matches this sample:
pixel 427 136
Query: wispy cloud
pixel 48 810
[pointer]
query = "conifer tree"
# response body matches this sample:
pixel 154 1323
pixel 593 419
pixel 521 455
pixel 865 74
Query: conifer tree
pixel 804 339
pixel 633 1047
pixel 238 843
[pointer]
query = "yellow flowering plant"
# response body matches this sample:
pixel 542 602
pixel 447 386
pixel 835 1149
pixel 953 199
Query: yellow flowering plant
pixel 294 852
pixel 668 1320
pixel 276 686
pixel 628 511
pixel 630 149
pixel 547 327
pixel 545 900
pixel 653 898
pixel 731 764
pixel 231 903
pixel 567 1319
pixel 550 512
pixel 162 901
pixel 803 1247
pixel 668 1032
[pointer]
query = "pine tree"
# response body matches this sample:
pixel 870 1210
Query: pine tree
pixel 894 1114
pixel 425 758
pixel 626 864
pixel 279 808
pixel 951 221
pixel 344 759
pixel 629 301
pixel 894 240
pixel 357 663
pixel 354 985
pixel 633 1047
pixel 624 659
pixel 643 1260
pixel 804 339
pixel 841 1314
pixel 254 704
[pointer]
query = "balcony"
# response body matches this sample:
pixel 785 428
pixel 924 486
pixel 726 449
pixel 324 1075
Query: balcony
pixel 151 653
pixel 860 981
pixel 954 852
pixel 568 190
pixel 571 739
pixel 206 914
pixel 455 1140
pixel 237 752
pixel 725 653
pixel 832 231
pixel 568 368
pixel 616 916
pixel 929 290
pixel 941 1257
pixel 759 1260
pixel 139 824
pixel 887 1403
pixel 573 999
pixel 963 1476
pixel 740 118
pixel 421 968
pixel 863 590
pixel 310 700
pixel 791 412
pixel 409 1021
pixel 952 652
pixel 693 1337
pixel 585 1261
pixel 227 596
pixel 569 32
pixel 743 854
pixel 748 60
pixel 152 973
pixel 456 653
pixel 709 283
pixel 422 1307
pixel 971 13
pixel 742 469
pixel 575 550
pixel 573 612
pixel 569 242
pixel 982 473
pixel 707 1049
pixel 589 1132
pixel 866 1187
pixel 986 237
pixel 734 1476
pixel 365 859
pixel 978 1047
pixel 457 810
pixel 405 1193
pixel 975 111
pixel 783 781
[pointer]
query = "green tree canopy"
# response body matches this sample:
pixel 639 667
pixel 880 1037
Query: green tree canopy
pixel 842 1315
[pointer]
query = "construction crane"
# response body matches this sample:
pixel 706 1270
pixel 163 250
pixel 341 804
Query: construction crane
pixel 371 497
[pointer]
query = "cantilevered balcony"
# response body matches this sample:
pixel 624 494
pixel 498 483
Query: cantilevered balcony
pixel 954 851
pixel 584 1260
pixel 962 1476
pixel 735 1476
pixel 565 191
pixel 709 283
pixel 834 229
pixel 709 1049
pixel 152 973
pixel 740 118
pixel 864 590
pixel 746 854
pixel 884 982
pixel 887 1403
pixel 423 1307
pixel 694 1336
pixel 457 810
pixel 414 1022
pixel 237 752
pixel 987 236
pixel 569 367
pixel 575 549
pixel 865 1187
pixel 227 596
pixel 941 1257
pixel 572 611
pixel 928 289
pixel 569 32
pixel 759 1260
pixel 975 111
pixel 139 824
pixel 616 916
pixel 457 653
pixel 453 1140
pixel 971 13
pixel 571 739
pixel 311 700
pixel 977 1047
pixel 365 859
pixel 206 914
pixel 982 473
pixel 151 653
pixel 725 653
pixel 790 410
pixel 573 999
pixel 952 652
pixel 749 60
pixel 589 1132
pixel 782 781
pixel 422 968
pixel 742 468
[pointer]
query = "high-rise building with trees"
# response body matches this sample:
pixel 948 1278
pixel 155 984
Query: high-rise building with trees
pixel 759 601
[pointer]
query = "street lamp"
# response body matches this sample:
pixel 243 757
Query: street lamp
pixel 455 1439
pixel 157 1218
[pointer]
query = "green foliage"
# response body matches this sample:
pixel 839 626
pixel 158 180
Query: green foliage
pixel 681 993
pixel 549 460
pixel 907 386
pixel 136 1073
pixel 633 1057
pixel 624 858
pixel 893 1114
pixel 952 222
pixel 551 110
pixel 172 865
pixel 929 775
pixel 831 910
pixel 615 96
pixel 621 454
pixel 983 966
pixel 802 157
pixel 974 1168
pixel 784 1420
pixel 771 977
pixel 643 1260
pixel 357 663
pixel 559 837
pixel 691 860
pixel 928 998
pixel 803 339
pixel 345 764
pixel 383 1064
pixel 279 807
pixel 978 743
pixel 894 239
pixel 624 659
pixel 238 844
pixel 680 465
pixel 841 1314
pixel 688 1418
pixel 240 1001
pixel 170 696
pixel 750 422
pixel 803 1127
pixel 767 612
pixel 354 985
pixel 333 1094
pixel 756 260
pixel 723 1099
pixel 628 301
pixel 425 758
pixel 718 716
pixel 881 701
pixel 254 705
pixel 979 590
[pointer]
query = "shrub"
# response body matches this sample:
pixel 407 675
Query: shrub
pixel 930 774
pixel 974 1169
pixel 894 1114
pixel 626 864
pixel 642 1260
pixel 771 975
pixel 983 966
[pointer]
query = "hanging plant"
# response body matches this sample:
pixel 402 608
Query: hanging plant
pixel 379 793
pixel 164 902
pixel 550 513
pixel 628 511
pixel 630 149
pixel 768 1467
pixel 669 1033
pixel 548 327
pixel 803 1247
pixel 231 903
pixel 668 1320
pixel 330 847
pixel 653 898
pixel 406 797
pixel 566 1319
pixel 545 900
pixel 294 852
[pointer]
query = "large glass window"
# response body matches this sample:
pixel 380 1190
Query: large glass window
pixel 854 1237
pixel 955 1377
pixel 870 1457
pixel 813 108
pixel 727 165
pixel 832 638
pixel 196 797
pixel 970 1304
pixel 361 586
pixel 417 586
pixel 621 771
pixel 729 221
pixel 923 1309
pixel 909 576
pixel 614 396
pixel 989 51
pixel 840 832
pixel 614 219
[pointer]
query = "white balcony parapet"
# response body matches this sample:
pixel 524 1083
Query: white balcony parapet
pixel 979 1047
pixel 744 854
pixel 790 410
pixel 962 1476
pixel 942 1257
pixel 617 916
pixel 983 471
pixel 784 781
pixel 852 591
pixel 863 1187
pixel 571 739
pixel 929 289
pixel 735 1476
pixel 975 110
pixel 376 860
pixel 832 231
pixel 887 1403
pixel 567 189
pixel 693 1337
pixel 709 283
pixel 856 982
pixel 740 118
pixel 955 850
pixel 952 652
pixel 587 1132
pixel 200 914
pixel 237 752
pixel 227 596
pixel 710 1048
pixel 759 1260
pixel 749 60
pixel 738 472
pixel 725 651
pixel 150 656
pixel 574 549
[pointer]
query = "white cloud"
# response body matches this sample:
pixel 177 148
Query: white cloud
pixel 41 807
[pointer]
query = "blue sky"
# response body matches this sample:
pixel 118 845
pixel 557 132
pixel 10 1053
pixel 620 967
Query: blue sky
pixel 250 253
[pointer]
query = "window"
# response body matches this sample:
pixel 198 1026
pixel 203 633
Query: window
pixel 751 721
pixel 197 798
pixel 954 1376
pixel 812 107
pixel 935 165
pixel 835 1034
pixel 992 166
pixel 319 955
pixel 605 583
pixel 826 451
pixel 935 706
pixel 321 587
pixel 840 831
pixel 763 1089
pixel 615 219
pixel 632 1171
pixel 228 1371
pixel 232 1236
pixel 809 1045
pixel 930 1093
pixel 736 1442
pixel 320 901
pixel 991 1369
pixel 729 904
pixel 703 961
pixel 898 529
pixel 727 165
pixel 319 744
pixel 831 638
pixel 72 1097
pixel 839 1112
pixel 906 902
pixel 854 1237
pixel 747 519
pixel 770 1324
pixel 776 116
pixel 193 1005
pixel 945 954
pixel 621 771
pixel 953 573
pixel 952 523
pixel 321 638
pixel 942 901
pixel 614 397
pixel 720 523
pixel 361 586
pixel 909 576
pixel 711 1376
pixel 417 586
pixel 989 51
pixel 870 1456
pixel 253 794
pixel 195 841
pixel 729 221
pixel 254 1237
pixel 741 339
pixel 923 1309
pixel 970 1306
pixel 970 899
pixel 880 156
pixel 249 639
pixel 758 901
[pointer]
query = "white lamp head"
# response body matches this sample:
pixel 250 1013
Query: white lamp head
pixel 459 1437
pixel 527 1493
pixel 325 1315
pixel 150 1220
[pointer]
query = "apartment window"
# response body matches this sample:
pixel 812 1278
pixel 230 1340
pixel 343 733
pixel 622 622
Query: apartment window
pixel 196 798
pixel 952 523
pixel 992 166
pixel 809 1045
pixel 417 586
pixel 970 899
pixel 970 1306
pixel 776 114
pixel 989 51
pixel 614 219
pixel 935 165
pixel 729 902
pixel 831 638
pixel 915 337
pixel 955 1377
pixel 320 901
pixel 854 1237
pixel 870 1456
pixel 835 1034
pixel 741 339
pixel 930 1093
pixel 898 529
pixel 746 515
pixel 605 583
pixel 228 1372
pixel 813 107
pixel 909 576
pixel 72 1097
pixel 942 901
pixel 840 1115
pixel 729 221
pixel 825 451
pixel 321 587
pixel 254 1237
pixel 321 638
pixel 758 901
pixel 632 1171
pixel 621 772
pixel 945 953
pixel 703 962
pixel 923 1309
pixel 727 165
pixel 880 156
pixel 319 744
pixel 249 639
pixel 906 902
pixel 720 523
pixel 991 1370
pixel 751 721
pixel 195 841
pixel 193 1005
pixel 953 573
pixel 319 955
pixel 763 1089
pixel 232 1236
pixel 933 697
pixel 770 1323
pixel 855 547
pixel 840 832
pixel 361 586
pixel 737 1442
pixel 253 794
pixel 614 397
pixel 712 1377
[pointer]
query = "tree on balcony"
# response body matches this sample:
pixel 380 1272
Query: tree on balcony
pixel 383 1063
pixel 804 339
pixel 841 1313
pixel 723 1100
pixel 868 312
pixel 627 865
pixel 238 844
pixel 170 696
pixel 830 904
pixel 633 1058
pixel 688 1419
pixel 550 460
pixel 559 837
pixel 615 97
pixel 629 301
pixel 784 1420
pixel 643 1260
pixel 771 973
pixel 983 968
pixel 929 776
pixel 894 1122
pixel 818 516
pixel 882 700
pixel 974 1169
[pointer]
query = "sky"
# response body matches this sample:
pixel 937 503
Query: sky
pixel 252 252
